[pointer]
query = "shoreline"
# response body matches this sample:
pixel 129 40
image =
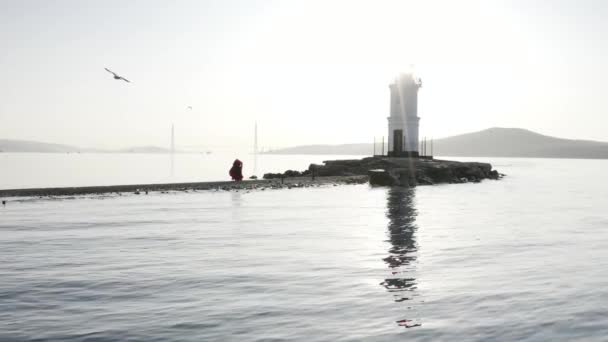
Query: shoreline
pixel 378 171
pixel 292 182
pixel 400 171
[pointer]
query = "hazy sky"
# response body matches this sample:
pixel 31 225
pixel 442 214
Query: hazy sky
pixel 307 71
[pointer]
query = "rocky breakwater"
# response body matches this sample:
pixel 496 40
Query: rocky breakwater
pixel 401 171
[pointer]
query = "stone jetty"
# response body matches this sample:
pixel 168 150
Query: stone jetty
pixel 379 171
pixel 399 171
pixel 144 189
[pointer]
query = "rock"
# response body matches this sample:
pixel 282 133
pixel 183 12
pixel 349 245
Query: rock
pixel 332 169
pixel 381 177
pixel 439 173
pixel 423 180
pixel 292 173
pixel 404 176
pixel 273 175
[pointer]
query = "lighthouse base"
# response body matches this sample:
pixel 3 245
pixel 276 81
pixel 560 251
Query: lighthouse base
pixel 403 154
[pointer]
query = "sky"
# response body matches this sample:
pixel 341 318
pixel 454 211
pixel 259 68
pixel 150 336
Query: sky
pixel 308 72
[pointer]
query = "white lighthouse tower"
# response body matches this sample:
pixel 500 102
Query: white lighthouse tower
pixel 403 121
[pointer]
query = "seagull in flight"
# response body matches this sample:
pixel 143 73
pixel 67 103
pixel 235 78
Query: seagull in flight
pixel 116 76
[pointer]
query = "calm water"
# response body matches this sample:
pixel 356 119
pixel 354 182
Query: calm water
pixel 524 258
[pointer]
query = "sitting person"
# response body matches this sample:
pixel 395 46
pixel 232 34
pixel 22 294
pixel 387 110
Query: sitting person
pixel 236 172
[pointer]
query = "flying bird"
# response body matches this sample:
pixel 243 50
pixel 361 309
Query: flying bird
pixel 116 76
pixel 189 107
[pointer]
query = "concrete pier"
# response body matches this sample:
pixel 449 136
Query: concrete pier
pixel 143 188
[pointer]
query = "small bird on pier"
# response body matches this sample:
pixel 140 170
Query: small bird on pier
pixel 116 76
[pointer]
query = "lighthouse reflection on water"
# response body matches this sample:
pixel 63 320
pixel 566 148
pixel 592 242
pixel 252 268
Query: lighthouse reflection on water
pixel 402 254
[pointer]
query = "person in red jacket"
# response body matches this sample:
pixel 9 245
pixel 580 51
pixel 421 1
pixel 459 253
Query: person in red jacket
pixel 236 172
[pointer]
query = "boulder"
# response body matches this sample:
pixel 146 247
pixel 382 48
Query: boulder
pixel 292 173
pixel 273 175
pixel 381 177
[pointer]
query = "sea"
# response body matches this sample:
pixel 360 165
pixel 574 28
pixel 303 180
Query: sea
pixel 524 258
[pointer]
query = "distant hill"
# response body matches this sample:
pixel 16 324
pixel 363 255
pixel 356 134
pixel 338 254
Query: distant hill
pixel 7 145
pixel 517 142
pixel 492 142
pixel 34 146
pixel 144 149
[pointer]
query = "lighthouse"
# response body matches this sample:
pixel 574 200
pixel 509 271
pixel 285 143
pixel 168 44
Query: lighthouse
pixel 403 121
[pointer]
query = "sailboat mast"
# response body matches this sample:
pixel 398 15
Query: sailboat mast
pixel 172 139
pixel 255 149
pixel 172 149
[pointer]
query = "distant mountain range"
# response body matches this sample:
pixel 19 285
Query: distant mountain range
pixel 492 142
pixel 144 149
pixel 41 147
pixel 33 146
